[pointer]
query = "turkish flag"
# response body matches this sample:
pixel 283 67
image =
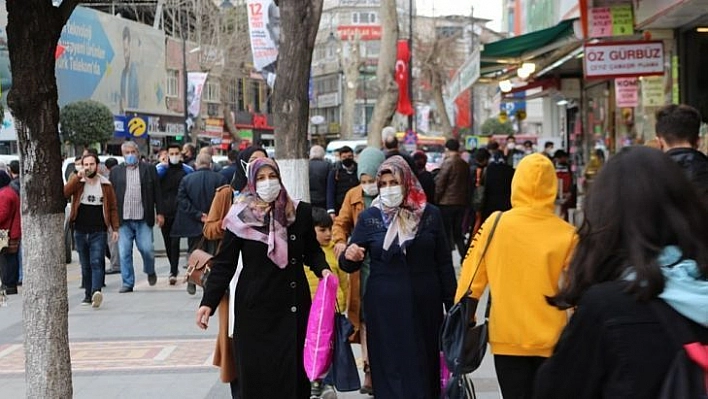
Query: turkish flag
pixel 403 58
pixel 59 51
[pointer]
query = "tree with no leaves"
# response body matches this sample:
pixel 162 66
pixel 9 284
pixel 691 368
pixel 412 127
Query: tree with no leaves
pixel 33 29
pixel 86 122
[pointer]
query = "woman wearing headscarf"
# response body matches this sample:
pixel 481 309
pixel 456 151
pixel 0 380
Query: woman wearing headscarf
pixel 223 199
pixel 273 235
pixel 410 280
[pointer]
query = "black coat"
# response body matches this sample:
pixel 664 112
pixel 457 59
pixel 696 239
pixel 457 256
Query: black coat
pixel 613 347
pixel 169 186
pixel 497 188
pixel 149 189
pixel 695 164
pixel 404 299
pixel 272 307
pixel 196 192
pixel 319 170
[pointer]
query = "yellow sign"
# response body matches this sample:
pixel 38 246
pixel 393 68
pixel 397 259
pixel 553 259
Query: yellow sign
pixel 622 20
pixel 137 126
pixel 503 117
pixel 521 115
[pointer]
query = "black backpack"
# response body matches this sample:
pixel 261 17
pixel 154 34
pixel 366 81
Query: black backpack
pixel 687 377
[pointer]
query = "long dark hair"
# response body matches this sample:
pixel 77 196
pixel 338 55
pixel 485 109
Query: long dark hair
pixel 640 202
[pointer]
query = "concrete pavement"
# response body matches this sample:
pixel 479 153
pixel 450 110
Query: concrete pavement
pixel 143 344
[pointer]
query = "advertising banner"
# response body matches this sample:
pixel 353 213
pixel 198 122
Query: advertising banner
pixel 465 77
pixel 627 92
pixel 264 29
pixel 652 92
pixel 195 87
pixel 623 59
pixel 611 21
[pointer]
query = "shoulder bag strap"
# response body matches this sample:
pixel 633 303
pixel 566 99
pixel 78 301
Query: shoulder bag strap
pixel 484 252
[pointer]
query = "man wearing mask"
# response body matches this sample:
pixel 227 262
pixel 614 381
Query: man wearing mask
pixel 139 198
pixel 340 180
pixel 188 154
pixel 93 211
pixel 512 154
pixel 170 173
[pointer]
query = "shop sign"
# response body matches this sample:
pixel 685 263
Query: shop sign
pixel 119 126
pixel 623 59
pixel 611 21
pixel 362 32
pixel 174 129
pixel 653 92
pixel 627 92
pixel 328 100
pixel 214 128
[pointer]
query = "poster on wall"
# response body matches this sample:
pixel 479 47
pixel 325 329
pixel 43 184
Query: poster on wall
pixel 195 87
pixel 264 30
pixel 653 91
pixel 627 92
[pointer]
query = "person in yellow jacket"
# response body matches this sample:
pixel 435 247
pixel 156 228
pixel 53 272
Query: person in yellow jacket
pixel 526 258
pixel 323 232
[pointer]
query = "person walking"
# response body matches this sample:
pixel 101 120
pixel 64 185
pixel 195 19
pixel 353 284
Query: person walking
pixel 411 279
pixel 523 264
pixel 319 171
pixel 638 282
pixel 171 174
pixel 112 246
pixel 452 194
pixel 195 195
pixel 340 179
pixel 273 235
pixel 139 198
pixel 94 210
pixel 10 221
pixel 230 169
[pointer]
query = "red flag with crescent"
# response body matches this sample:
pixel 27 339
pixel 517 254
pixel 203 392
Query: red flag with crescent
pixel 403 58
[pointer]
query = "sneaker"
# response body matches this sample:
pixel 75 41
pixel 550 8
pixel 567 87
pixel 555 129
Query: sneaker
pixel 86 302
pixel 125 289
pixel 316 389
pixel 329 392
pixel 96 299
pixel 173 279
pixel 191 289
pixel 152 279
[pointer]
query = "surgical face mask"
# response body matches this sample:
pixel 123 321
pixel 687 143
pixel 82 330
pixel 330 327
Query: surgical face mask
pixel 392 196
pixel 370 189
pixel 510 146
pixel 347 162
pixel 268 190
pixel 131 159
pixel 175 159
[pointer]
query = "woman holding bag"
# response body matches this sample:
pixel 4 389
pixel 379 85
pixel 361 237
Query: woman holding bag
pixel 274 235
pixel 411 278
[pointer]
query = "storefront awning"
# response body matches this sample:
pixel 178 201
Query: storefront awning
pixel 498 55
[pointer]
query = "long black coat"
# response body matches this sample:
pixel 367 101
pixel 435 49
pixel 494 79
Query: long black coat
pixel 149 190
pixel 194 197
pixel 404 300
pixel 272 307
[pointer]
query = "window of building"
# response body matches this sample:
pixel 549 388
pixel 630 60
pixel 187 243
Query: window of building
pixel 448 31
pixel 363 18
pixel 172 85
pixel 255 96
pixel 241 93
pixel 212 91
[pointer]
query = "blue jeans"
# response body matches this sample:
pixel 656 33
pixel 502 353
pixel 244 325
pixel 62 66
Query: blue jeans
pixel 139 231
pixel 91 248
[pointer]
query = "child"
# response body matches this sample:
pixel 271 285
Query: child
pixel 323 231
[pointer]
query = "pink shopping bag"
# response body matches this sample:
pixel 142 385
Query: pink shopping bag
pixel 444 374
pixel 320 329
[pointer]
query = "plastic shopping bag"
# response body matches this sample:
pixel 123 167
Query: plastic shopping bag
pixel 320 329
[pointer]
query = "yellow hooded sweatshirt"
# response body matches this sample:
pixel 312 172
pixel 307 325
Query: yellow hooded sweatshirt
pixel 529 251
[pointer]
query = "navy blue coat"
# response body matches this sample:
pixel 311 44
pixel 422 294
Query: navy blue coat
pixel 194 197
pixel 404 300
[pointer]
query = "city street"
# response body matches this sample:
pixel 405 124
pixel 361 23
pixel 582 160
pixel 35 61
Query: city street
pixel 143 344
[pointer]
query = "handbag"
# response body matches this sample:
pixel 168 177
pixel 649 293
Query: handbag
pixel 198 267
pixel 4 238
pixel 464 342
pixel 344 371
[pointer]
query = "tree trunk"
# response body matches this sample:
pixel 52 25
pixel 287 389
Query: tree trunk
pixel 388 89
pixel 33 101
pixel 300 20
pixel 437 87
pixel 351 86
pixel 229 123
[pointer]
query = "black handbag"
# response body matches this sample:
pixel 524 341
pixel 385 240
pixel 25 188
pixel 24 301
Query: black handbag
pixel 462 341
pixel 344 371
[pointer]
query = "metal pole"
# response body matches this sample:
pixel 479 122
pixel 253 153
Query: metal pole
pixel 185 84
pixel 410 63
pixel 366 111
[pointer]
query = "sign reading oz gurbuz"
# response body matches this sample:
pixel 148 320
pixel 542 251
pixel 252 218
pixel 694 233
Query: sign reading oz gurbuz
pixel 623 59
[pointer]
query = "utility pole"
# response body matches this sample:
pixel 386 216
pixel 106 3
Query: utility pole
pixel 185 82
pixel 410 62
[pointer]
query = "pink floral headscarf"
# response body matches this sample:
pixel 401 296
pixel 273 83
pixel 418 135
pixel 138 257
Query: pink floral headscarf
pixel 252 219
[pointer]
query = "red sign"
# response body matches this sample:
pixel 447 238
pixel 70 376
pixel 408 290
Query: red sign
pixel 363 32
pixel 623 59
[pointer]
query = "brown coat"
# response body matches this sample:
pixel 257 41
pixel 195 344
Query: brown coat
pixel 219 208
pixel 75 187
pixel 344 223
pixel 452 184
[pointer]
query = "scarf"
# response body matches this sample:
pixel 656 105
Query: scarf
pixel 252 219
pixel 401 221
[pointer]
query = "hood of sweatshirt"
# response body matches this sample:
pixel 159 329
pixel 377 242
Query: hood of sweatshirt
pixel 535 184
pixel 685 289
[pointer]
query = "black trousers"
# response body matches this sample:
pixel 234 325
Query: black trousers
pixel 516 375
pixel 452 219
pixel 171 245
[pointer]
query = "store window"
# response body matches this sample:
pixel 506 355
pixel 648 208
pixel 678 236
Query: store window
pixel 212 92
pixel 364 18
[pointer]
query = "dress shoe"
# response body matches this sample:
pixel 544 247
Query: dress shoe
pixel 152 279
pixel 191 289
pixel 10 290
pixel 112 271
pixel 125 289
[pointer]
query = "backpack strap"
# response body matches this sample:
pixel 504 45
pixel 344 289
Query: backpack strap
pixel 675 325
pixel 484 252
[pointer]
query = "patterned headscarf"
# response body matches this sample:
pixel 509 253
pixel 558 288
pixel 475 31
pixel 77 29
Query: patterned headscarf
pixel 252 219
pixel 402 221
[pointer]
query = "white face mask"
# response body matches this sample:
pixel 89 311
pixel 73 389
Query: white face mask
pixel 175 159
pixel 511 146
pixel 392 196
pixel 268 190
pixel 370 189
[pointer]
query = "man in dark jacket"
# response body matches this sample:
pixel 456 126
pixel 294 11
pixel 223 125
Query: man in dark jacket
pixel 340 180
pixel 196 192
pixel 452 194
pixel 230 169
pixel 424 177
pixel 319 171
pixel 139 198
pixel 170 174
pixel 677 128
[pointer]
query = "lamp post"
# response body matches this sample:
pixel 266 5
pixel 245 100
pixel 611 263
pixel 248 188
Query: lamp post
pixel 185 84
pixel 410 62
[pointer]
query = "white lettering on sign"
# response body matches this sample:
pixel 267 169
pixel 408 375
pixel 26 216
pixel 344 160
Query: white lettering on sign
pixel 603 60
